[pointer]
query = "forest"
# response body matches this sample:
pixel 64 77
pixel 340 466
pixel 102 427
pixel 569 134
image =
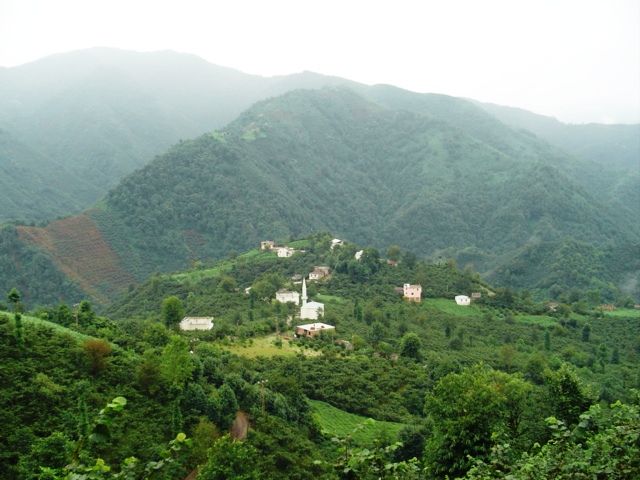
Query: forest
pixel 507 387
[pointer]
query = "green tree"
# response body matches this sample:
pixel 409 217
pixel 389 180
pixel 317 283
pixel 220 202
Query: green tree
pixel 228 406
pixel 229 459
pixel 172 311
pixel 586 332
pixel 14 298
pixel 567 395
pixel 464 410
pixel 394 252
pixel 175 364
pixel 410 346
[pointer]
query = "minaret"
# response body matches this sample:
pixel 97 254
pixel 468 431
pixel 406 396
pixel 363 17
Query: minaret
pixel 304 292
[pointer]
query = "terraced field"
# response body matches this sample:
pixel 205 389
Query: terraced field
pixel 78 249
pixel 336 422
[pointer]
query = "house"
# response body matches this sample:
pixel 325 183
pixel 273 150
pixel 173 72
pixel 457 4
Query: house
pixel 196 323
pixel 336 242
pixel 413 293
pixel 310 310
pixel 319 272
pixel 552 306
pixel 607 307
pixel 392 263
pixel 287 296
pixel 463 300
pixel 358 254
pixel 313 329
pixel 247 290
pixel 476 296
pixel 285 252
pixel 267 244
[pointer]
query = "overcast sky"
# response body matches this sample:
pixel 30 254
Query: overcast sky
pixel 577 60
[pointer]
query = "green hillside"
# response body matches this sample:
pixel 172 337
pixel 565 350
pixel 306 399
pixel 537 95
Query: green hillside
pixel 330 160
pixel 439 378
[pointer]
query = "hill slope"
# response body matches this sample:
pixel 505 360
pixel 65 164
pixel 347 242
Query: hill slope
pixel 330 160
pixel 101 113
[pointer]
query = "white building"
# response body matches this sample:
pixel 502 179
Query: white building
pixel 358 254
pixel 267 244
pixel 286 296
pixel 336 242
pixel 463 300
pixel 310 310
pixel 413 293
pixel 313 329
pixel 285 252
pixel 196 323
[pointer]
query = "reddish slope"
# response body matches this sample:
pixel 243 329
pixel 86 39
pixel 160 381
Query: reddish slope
pixel 80 251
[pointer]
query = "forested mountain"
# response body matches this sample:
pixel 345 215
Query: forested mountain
pixel 329 159
pixel 90 117
pixel 609 145
pixel 101 113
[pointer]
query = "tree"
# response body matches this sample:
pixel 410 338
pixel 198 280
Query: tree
pixel 172 311
pixel 463 411
pixel 96 351
pixel 14 299
pixel 229 459
pixel 393 253
pixel 228 406
pixel 19 334
pixel 175 365
pixel 410 346
pixel 567 395
pixel 586 332
pixel 547 340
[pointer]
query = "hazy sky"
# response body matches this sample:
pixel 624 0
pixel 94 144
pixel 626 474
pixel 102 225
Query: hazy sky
pixel 577 60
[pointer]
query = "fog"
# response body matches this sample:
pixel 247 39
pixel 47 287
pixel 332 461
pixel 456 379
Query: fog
pixel 578 61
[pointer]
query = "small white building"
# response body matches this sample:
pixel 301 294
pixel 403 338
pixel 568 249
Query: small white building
pixel 336 242
pixel 285 252
pixel 358 255
pixel 267 244
pixel 313 329
pixel 196 323
pixel 287 296
pixel 463 300
pixel 413 293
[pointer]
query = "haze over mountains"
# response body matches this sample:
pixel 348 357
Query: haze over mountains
pixel 525 200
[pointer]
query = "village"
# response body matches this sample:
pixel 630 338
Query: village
pixel 310 310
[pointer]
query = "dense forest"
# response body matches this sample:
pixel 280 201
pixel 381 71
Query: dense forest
pixel 505 387
pixel 445 180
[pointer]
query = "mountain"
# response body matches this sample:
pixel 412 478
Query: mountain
pixel 331 160
pixel 615 146
pixel 101 113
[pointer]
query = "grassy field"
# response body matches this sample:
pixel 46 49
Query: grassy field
pixel 336 422
pixel 330 299
pixel 266 347
pixel 624 312
pixel 543 320
pixel 27 320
